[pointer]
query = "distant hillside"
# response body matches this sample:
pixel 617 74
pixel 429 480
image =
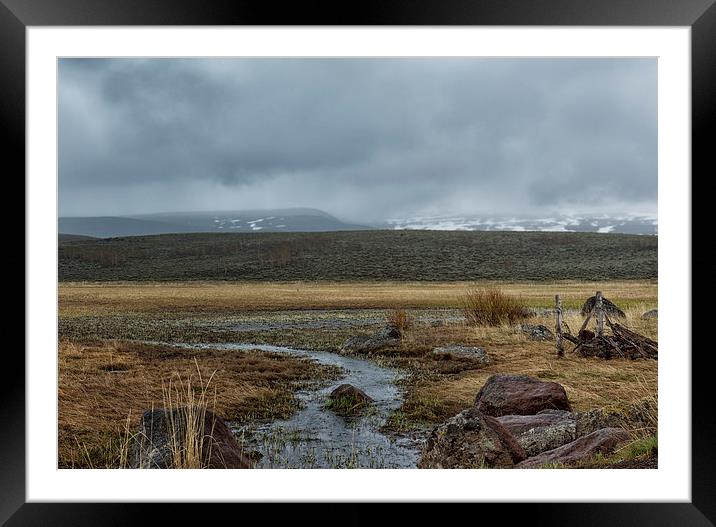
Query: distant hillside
pixel 73 237
pixel 363 255
pixel 276 220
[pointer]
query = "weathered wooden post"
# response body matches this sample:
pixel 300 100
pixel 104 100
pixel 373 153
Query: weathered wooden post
pixel 558 327
pixel 598 305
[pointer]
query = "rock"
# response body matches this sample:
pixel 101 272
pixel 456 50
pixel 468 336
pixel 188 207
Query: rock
pixel 350 391
pixel 541 432
pixel 519 424
pixel 652 313
pixel 596 419
pixel 154 446
pixel 537 332
pixel 471 440
pixel 437 323
pixel 346 399
pixel 602 441
pixel 544 438
pixel 609 307
pixel 520 395
pixel 386 337
pixel 468 352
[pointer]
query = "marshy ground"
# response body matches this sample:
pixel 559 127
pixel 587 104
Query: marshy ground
pixel 117 350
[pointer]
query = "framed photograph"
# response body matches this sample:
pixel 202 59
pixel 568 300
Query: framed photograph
pixel 416 255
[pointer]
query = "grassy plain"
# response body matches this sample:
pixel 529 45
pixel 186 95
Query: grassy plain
pixel 106 376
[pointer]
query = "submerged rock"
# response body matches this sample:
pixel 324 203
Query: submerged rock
pixel 162 436
pixel 520 395
pixel 471 439
pixel 468 352
pixel 347 399
pixel 602 441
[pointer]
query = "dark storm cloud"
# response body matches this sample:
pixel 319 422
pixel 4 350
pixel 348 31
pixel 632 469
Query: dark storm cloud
pixel 362 138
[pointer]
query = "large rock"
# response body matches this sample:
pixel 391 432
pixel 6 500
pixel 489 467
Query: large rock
pixel 386 337
pixel 537 331
pixel 162 436
pixel 652 313
pixel 544 438
pixel 541 432
pixel 596 419
pixel 602 441
pixel 467 352
pixel 471 440
pixel 520 395
pixel 519 424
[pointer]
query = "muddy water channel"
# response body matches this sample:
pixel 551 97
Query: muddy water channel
pixel 316 437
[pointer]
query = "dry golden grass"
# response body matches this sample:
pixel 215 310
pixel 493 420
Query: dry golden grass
pixel 399 318
pixel 78 299
pixel 589 382
pixel 103 385
pixel 492 307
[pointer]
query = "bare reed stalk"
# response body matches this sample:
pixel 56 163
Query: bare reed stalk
pixel 186 425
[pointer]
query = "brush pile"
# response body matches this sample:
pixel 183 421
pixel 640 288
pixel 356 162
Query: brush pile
pixel 623 343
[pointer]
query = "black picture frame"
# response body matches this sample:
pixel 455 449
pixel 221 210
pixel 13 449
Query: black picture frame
pixel 699 15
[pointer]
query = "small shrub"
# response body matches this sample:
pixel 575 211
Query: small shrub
pixel 492 307
pixel 399 318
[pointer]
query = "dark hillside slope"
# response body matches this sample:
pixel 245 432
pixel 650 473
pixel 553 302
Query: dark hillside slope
pixel 362 255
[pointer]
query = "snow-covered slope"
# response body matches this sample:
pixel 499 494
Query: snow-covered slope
pixel 621 223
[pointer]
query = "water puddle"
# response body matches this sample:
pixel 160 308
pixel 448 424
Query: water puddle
pixel 330 319
pixel 316 437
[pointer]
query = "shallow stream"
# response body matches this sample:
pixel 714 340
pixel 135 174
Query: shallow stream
pixel 316 437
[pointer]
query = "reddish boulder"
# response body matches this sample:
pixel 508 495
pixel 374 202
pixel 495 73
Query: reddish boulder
pixel 471 440
pixel 602 441
pixel 520 395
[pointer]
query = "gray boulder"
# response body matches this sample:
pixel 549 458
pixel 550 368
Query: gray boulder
pixel 387 337
pixel 596 419
pixel 541 432
pixel 602 441
pixel 544 438
pixel 652 313
pixel 161 440
pixel 537 332
pixel 471 440
pixel 467 352
pixel 519 424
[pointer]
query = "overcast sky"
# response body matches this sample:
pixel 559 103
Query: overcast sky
pixel 364 139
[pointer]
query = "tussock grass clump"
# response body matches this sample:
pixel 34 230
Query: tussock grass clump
pixel 399 318
pixel 492 307
pixel 188 433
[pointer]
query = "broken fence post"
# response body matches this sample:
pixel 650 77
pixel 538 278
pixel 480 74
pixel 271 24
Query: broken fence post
pixel 558 327
pixel 600 314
